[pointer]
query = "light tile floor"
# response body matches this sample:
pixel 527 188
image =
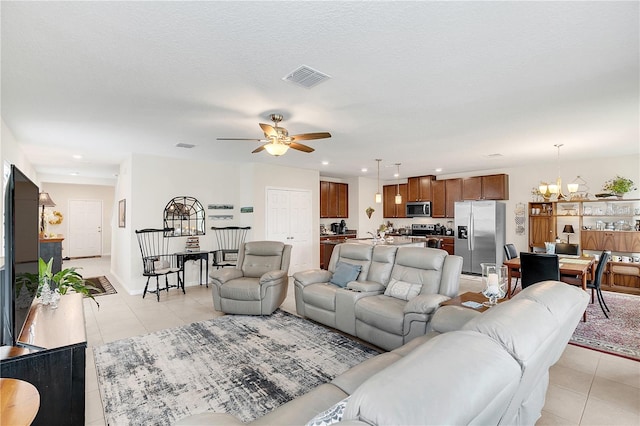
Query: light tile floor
pixel 586 387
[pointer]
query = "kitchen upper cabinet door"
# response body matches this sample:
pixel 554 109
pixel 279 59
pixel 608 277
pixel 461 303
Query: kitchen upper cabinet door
pixel 401 209
pixel 472 188
pixel 419 188
pixel 495 187
pixel 343 200
pixel 388 205
pixel 453 193
pixel 438 198
pixel 324 199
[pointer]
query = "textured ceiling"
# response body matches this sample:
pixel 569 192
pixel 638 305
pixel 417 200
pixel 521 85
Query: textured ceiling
pixel 426 84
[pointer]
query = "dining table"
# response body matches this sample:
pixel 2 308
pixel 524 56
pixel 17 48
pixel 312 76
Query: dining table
pixel 573 270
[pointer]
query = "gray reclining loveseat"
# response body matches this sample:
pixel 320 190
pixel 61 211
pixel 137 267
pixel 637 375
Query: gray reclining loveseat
pixel 389 297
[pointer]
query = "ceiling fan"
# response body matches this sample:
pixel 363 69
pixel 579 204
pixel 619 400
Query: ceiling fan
pixel 277 140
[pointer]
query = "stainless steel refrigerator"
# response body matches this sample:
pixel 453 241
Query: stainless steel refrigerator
pixel 479 231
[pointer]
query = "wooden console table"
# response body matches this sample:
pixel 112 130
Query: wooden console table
pixel 52 248
pixel 52 358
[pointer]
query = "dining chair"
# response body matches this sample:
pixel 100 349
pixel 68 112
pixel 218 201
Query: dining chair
pixel 564 248
pixel 510 252
pixel 156 259
pixel 594 284
pixel 535 268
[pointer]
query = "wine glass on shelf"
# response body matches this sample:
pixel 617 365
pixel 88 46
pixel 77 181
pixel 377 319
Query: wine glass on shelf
pixel 494 280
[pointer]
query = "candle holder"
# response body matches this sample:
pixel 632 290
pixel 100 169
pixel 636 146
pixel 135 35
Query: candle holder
pixel 494 280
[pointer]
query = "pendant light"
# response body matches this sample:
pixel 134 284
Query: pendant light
pixel 557 188
pixel 378 194
pixel 398 196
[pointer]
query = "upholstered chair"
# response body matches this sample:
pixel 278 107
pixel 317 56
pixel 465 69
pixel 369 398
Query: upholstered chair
pixel 258 283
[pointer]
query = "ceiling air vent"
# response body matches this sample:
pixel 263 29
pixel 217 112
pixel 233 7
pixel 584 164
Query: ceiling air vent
pixel 306 77
pixel 184 145
pixel 497 155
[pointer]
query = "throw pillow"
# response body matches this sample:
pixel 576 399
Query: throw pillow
pixel 345 273
pixel 402 290
pixel 550 248
pixel 329 416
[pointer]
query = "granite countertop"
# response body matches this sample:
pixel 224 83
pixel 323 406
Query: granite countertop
pixel 395 241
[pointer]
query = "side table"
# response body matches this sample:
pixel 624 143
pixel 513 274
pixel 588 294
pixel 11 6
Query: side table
pixel 19 402
pixel 469 297
pixel 185 256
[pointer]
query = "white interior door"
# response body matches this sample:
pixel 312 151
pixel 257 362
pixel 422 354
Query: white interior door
pixel 85 228
pixel 289 220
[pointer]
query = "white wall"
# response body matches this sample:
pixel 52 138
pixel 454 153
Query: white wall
pixel 61 194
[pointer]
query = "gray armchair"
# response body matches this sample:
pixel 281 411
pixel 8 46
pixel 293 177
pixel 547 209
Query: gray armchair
pixel 258 283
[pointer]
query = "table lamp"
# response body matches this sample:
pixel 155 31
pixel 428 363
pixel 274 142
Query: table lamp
pixel 44 200
pixel 568 229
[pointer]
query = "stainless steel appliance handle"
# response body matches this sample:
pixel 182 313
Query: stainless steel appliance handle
pixel 470 237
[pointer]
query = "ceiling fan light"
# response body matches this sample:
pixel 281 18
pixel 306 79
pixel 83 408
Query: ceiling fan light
pixel 276 149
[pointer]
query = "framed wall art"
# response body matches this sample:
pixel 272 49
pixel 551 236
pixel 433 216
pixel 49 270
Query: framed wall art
pixel 122 213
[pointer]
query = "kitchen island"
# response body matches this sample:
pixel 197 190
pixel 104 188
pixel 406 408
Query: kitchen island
pixel 394 241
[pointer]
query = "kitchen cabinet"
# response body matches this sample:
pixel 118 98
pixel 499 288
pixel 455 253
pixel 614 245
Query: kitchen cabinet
pixel 438 198
pixel 419 188
pixel 334 200
pixel 324 199
pixel 490 187
pixel 448 244
pixel 390 208
pixel 615 241
pixel 453 193
pixel 328 242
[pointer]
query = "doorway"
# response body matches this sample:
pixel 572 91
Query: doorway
pixel 289 220
pixel 85 228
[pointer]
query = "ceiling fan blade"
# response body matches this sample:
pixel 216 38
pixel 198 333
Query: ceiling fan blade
pixel 268 129
pixel 300 147
pixel 240 139
pixel 310 136
pixel 258 149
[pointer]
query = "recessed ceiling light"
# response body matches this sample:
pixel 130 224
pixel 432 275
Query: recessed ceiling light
pixel 396 175
pixel 325 163
pixel 77 156
pixel 438 170
pixel 363 170
pixel 74 173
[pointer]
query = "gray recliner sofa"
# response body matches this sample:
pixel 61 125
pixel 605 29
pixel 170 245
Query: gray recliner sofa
pixel 364 308
pixel 489 368
pixel 258 284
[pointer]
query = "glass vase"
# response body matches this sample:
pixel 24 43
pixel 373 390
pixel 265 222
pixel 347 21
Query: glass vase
pixel 494 283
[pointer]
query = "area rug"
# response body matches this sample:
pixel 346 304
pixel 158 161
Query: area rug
pixel 242 365
pixel 617 335
pixel 101 283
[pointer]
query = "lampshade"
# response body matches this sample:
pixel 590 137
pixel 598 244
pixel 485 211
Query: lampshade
pixel 573 187
pixel 568 229
pixel 398 199
pixel 378 197
pixel 553 189
pixel 45 200
pixel 276 149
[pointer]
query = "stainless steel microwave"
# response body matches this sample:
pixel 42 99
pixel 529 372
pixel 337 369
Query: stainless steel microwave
pixel 419 209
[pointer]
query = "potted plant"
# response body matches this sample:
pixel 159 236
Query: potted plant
pixel 619 186
pixel 62 280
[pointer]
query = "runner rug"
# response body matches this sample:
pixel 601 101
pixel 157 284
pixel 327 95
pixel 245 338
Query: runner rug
pixel 242 365
pixel 102 284
pixel 617 335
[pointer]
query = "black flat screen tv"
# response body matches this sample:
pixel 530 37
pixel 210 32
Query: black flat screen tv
pixel 21 242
